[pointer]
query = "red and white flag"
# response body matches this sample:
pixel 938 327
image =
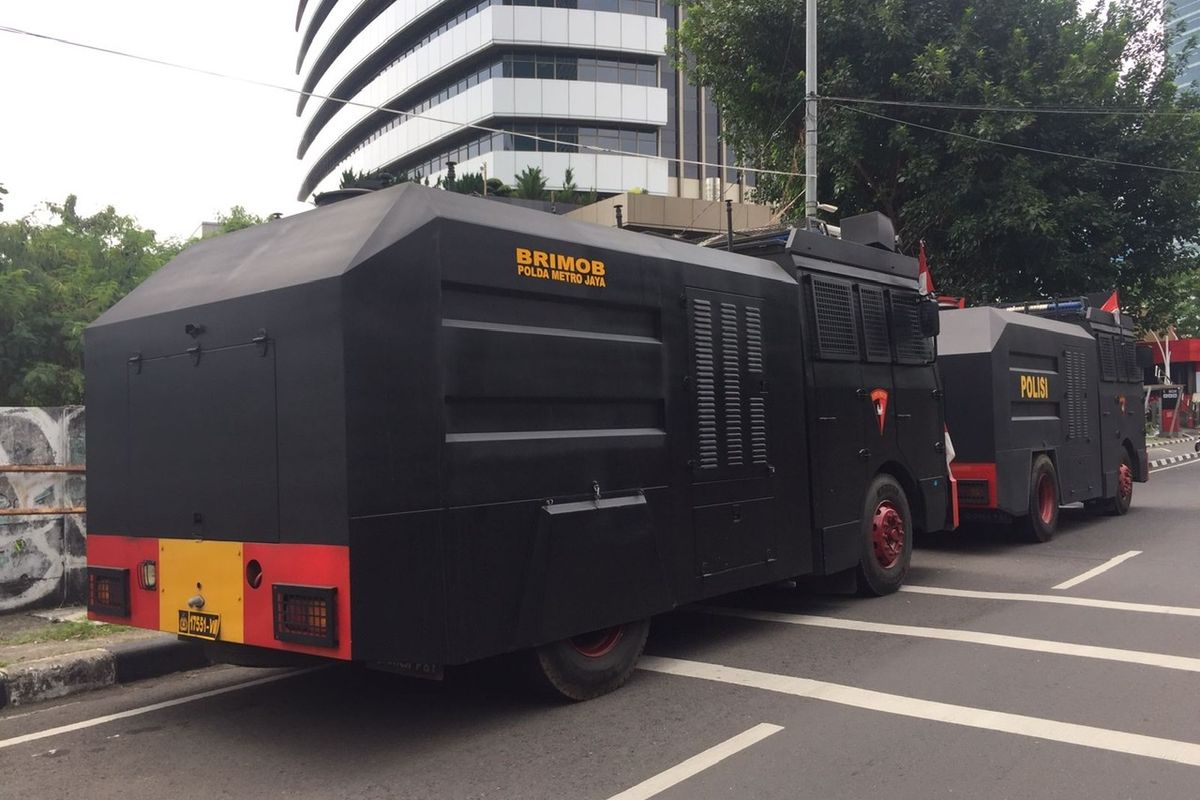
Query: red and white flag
pixel 924 276
pixel 1112 305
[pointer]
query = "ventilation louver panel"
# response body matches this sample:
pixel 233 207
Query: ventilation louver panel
pixel 1075 368
pixel 731 368
pixel 704 367
pixel 758 430
pixel 754 341
pixel 729 386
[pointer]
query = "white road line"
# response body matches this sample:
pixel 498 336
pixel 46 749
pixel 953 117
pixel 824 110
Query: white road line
pixel 1018 724
pixel 137 712
pixel 1184 663
pixel 698 763
pixel 1057 599
pixel 1094 571
pixel 1191 463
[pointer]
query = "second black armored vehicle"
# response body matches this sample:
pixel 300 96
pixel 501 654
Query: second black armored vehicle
pixel 1044 404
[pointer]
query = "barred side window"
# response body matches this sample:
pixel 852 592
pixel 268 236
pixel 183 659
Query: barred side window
pixel 876 337
pixel 911 346
pixel 1108 358
pixel 837 338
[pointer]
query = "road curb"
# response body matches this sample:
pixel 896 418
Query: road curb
pixel 87 670
pixel 1179 440
pixel 1169 460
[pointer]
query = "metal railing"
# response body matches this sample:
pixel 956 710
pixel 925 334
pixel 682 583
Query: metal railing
pixel 42 511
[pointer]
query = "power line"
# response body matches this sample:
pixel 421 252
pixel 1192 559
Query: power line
pixel 1017 146
pixel 356 104
pixel 1075 110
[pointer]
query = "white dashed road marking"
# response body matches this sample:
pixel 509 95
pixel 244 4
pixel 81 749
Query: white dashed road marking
pixel 697 763
pixel 1184 663
pixel 1191 463
pixel 137 712
pixel 1093 572
pixel 1017 724
pixel 1057 599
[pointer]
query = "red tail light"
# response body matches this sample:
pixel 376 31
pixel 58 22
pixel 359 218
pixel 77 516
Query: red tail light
pixel 972 492
pixel 108 591
pixel 305 614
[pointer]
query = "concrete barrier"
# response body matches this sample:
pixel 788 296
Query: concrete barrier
pixel 42 558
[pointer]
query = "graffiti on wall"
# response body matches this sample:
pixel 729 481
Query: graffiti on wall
pixel 42 558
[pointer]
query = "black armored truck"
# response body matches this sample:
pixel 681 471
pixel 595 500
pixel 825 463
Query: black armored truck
pixel 417 429
pixel 1044 405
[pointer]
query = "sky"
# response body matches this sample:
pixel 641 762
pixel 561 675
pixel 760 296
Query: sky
pixel 168 147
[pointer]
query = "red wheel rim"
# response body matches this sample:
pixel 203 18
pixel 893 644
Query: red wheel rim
pixel 597 643
pixel 1126 482
pixel 1047 498
pixel 887 534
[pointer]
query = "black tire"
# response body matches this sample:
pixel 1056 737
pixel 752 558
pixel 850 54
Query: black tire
pixel 1119 506
pixel 886 540
pixel 587 666
pixel 1041 522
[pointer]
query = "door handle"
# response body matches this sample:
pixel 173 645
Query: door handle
pixel 863 394
pixel 904 416
pixel 864 454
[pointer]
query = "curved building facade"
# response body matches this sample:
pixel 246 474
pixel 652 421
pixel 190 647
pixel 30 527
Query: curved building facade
pixel 498 86
pixel 1184 17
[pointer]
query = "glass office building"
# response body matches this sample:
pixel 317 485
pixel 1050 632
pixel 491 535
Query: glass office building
pixel 500 85
pixel 1185 14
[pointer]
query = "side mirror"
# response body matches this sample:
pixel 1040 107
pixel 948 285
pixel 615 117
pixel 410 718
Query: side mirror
pixel 931 322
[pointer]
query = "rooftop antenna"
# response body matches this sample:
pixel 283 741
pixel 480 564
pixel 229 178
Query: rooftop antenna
pixel 810 110
pixel 729 223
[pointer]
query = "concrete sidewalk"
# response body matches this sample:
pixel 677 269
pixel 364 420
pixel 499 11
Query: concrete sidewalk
pixel 1178 449
pixel 54 653
pixel 1175 438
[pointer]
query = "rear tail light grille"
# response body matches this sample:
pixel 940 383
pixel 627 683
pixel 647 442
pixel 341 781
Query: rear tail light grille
pixel 108 591
pixel 305 614
pixel 973 493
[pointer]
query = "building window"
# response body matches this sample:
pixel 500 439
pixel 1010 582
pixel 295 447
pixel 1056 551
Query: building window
pixel 551 138
pixel 648 8
pixel 528 65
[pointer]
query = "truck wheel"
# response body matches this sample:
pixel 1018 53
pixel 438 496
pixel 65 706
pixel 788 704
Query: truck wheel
pixel 887 538
pixel 592 664
pixel 1119 505
pixel 1042 520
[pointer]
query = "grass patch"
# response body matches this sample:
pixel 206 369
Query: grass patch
pixel 63 632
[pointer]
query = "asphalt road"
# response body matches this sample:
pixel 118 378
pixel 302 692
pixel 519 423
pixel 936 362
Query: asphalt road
pixel 997 685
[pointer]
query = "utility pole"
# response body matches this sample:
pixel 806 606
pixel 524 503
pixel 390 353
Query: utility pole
pixel 810 110
pixel 729 224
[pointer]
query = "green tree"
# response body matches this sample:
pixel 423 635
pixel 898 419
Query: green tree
pixel 236 219
pixel 1000 222
pixel 55 278
pixel 498 188
pixel 2 191
pixel 569 192
pixel 467 183
pixel 531 184
pixel 379 179
pixel 1173 301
